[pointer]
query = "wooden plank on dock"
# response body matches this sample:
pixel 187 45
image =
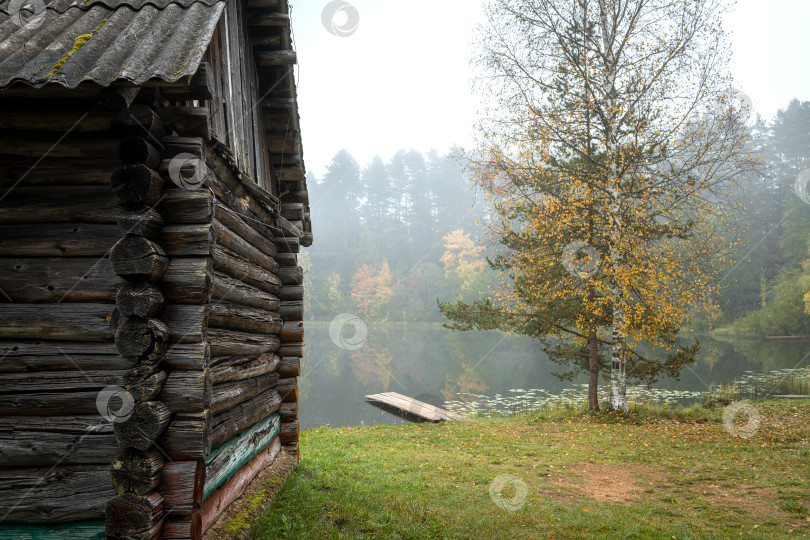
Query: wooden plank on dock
pixel 411 409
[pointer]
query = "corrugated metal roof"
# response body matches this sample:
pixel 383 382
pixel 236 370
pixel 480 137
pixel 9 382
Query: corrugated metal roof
pixel 132 40
pixel 63 5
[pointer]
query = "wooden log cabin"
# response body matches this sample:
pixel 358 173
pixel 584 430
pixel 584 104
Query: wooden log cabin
pixel 152 206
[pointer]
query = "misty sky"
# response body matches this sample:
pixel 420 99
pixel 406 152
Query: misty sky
pixel 402 78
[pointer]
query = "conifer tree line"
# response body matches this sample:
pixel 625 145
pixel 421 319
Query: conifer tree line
pixel 392 237
pixel 367 229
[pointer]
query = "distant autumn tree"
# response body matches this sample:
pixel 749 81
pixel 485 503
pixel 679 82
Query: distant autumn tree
pixel 372 288
pixel 463 258
pixel 611 146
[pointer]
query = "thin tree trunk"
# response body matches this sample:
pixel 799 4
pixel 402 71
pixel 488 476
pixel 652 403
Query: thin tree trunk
pixel 618 384
pixel 593 368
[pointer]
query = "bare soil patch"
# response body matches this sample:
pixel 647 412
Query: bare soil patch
pixel 609 482
pixel 239 516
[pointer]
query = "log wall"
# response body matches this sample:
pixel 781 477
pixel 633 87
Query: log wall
pixel 151 302
pixel 58 225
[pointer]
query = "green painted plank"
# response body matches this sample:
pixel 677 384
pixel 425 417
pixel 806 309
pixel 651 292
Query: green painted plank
pixel 234 453
pixel 80 530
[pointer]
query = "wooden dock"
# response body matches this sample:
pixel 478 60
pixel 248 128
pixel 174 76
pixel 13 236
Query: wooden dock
pixel 411 409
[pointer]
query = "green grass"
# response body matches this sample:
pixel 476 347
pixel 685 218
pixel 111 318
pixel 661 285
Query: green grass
pixel 690 478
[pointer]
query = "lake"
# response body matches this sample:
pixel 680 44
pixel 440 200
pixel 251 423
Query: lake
pixel 434 364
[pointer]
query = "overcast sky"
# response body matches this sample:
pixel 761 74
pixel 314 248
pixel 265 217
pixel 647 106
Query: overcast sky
pixel 400 78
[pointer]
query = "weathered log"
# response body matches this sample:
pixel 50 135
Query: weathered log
pixel 291 292
pixel 293 229
pixel 45 381
pixel 292 331
pixel 198 87
pixel 149 388
pixel 33 356
pixel 173 146
pixel 287 259
pixel 231 421
pixel 181 485
pixel 137 183
pixel 288 244
pixel 233 343
pixel 49 171
pixel 139 120
pixel 182 527
pixel 289 432
pixel 187 356
pixel 237 368
pixel 291 275
pixel 296 197
pixel 74 145
pixel 292 211
pixel 186 322
pixel 58 239
pixel 187 206
pixel 249 228
pixel 188 240
pixel 75 530
pixel 292 310
pixel 51 493
pixel 135 258
pixel 131 514
pixel 289 366
pixel 242 248
pixel 86 204
pixel 134 471
pixel 139 300
pixel 243 319
pixel 225 460
pixel 135 150
pixel 223 496
pixel 250 197
pixel 146 339
pixel 28 116
pixel 188 436
pixel 73 322
pixel 189 281
pixel 291 349
pixel 32 441
pixel 187 391
pixel 140 222
pixel 187 121
pixel 288 388
pixel 140 373
pixel 227 289
pixel 144 426
pixel 228 394
pixel 229 263
pixel 54 280
pixel 289 411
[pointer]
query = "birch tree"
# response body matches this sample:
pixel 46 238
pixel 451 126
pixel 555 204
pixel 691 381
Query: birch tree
pixel 612 132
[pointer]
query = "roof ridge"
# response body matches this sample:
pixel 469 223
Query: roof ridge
pixel 61 6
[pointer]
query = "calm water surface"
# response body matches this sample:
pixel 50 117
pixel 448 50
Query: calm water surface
pixel 435 364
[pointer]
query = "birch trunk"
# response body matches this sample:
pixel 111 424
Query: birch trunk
pixel 618 382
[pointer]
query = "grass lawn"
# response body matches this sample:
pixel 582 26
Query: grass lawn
pixel 645 474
